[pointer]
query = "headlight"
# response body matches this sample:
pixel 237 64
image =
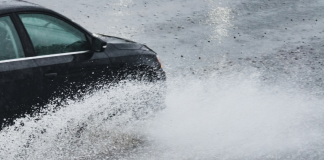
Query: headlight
pixel 159 61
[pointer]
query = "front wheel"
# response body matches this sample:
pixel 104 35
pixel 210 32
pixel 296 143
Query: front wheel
pixel 143 73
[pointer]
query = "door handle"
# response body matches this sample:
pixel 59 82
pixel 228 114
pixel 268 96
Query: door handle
pixel 50 75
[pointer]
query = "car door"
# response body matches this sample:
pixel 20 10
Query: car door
pixel 20 84
pixel 63 52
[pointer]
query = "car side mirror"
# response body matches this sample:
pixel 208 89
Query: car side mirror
pixel 98 45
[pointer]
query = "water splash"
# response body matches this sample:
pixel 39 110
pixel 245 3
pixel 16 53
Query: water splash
pixel 237 117
pixel 105 124
pixel 228 113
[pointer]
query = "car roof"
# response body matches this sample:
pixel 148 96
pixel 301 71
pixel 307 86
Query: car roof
pixel 20 5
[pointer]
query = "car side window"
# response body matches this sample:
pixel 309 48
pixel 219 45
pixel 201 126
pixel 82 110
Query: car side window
pixel 51 35
pixel 10 45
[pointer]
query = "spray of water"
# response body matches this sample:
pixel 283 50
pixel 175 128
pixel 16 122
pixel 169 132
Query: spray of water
pixel 227 112
pixel 237 117
pixel 103 125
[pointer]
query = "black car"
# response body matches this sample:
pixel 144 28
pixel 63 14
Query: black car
pixel 44 55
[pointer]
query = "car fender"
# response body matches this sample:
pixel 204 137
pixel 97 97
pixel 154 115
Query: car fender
pixel 131 55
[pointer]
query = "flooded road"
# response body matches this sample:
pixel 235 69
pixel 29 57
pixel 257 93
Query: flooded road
pixel 245 81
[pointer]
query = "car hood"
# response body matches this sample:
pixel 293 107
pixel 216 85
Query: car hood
pixel 120 43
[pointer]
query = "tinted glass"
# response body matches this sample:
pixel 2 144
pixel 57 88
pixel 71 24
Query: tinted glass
pixel 51 35
pixel 10 45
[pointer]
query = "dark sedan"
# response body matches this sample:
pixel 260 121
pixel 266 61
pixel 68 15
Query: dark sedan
pixel 44 55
